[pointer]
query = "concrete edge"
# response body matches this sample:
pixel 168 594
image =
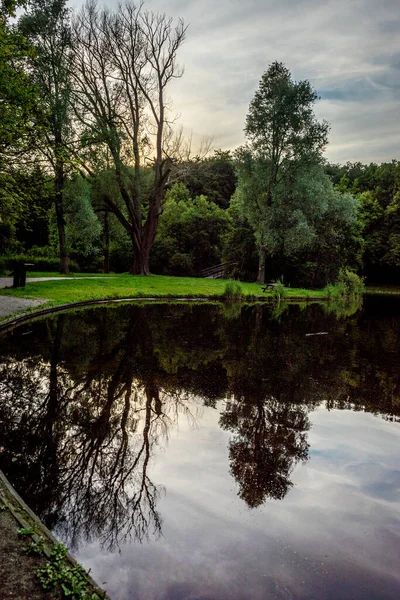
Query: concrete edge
pixel 27 518
pixel 13 322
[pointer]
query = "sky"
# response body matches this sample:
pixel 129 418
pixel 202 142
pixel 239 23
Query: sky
pixel 348 49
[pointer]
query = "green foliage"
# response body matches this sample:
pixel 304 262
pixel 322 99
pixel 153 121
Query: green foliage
pixel 281 124
pixel 82 227
pixel 26 530
pixel 279 291
pixel 19 106
pixel 233 291
pixel 58 573
pixel 378 190
pixel 35 548
pixel 282 188
pixel 190 234
pixel 239 247
pixel 41 263
pixel 213 177
pixel 353 283
pixel 348 285
pixel 338 242
pixel 25 198
pixel 46 26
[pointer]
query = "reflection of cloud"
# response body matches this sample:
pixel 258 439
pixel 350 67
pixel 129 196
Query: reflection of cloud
pixel 348 50
pixel 376 480
pixel 326 539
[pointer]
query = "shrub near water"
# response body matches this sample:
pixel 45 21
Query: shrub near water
pixel 279 291
pixel 348 285
pixel 233 291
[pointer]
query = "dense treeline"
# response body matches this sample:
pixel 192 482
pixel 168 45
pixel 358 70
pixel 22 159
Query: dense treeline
pixel 93 176
pixel 196 231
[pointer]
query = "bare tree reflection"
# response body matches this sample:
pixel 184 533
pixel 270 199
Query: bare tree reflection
pixel 92 440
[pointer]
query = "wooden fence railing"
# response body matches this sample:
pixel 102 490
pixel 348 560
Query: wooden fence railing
pixel 217 271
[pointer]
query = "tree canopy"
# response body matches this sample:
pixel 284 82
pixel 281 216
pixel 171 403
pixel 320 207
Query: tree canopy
pixel 282 187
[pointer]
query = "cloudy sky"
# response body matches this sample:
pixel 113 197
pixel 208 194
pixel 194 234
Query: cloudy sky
pixel 348 49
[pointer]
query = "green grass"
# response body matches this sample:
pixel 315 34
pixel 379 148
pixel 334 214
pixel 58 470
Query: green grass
pixel 384 290
pixel 128 286
pixel 73 275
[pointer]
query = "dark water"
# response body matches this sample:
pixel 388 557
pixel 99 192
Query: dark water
pixel 196 453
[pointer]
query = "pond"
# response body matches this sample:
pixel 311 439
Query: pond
pixel 196 452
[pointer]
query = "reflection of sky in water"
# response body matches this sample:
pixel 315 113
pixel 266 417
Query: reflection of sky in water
pixel 336 535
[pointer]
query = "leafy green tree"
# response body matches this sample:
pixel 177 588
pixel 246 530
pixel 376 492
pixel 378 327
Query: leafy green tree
pixel 46 26
pixel 378 190
pixel 83 227
pixel 240 251
pixel 190 233
pixel 214 177
pixel 337 243
pixel 19 108
pixel 25 199
pixel 277 168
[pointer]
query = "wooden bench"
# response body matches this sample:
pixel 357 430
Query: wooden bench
pixel 269 286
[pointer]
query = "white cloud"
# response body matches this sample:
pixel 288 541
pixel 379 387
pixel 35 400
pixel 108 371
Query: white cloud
pixel 350 51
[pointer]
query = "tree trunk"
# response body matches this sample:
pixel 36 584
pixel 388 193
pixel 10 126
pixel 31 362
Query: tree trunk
pixel 106 247
pixel 261 265
pixel 140 263
pixel 59 201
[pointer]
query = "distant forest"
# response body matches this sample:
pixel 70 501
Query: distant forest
pixel 200 227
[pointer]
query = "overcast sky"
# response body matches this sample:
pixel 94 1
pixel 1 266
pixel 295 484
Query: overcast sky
pixel 348 49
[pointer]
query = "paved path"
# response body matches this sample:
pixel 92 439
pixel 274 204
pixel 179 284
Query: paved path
pixel 10 305
pixel 8 281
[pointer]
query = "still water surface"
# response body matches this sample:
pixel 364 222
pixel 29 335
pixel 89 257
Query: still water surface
pixel 199 453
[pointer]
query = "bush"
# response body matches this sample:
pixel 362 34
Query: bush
pixel 279 292
pixel 233 291
pixel 348 285
pixel 353 283
pixel 40 263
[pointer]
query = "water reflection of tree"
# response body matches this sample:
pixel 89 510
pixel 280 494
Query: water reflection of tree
pixel 267 413
pixel 90 441
pixel 87 399
pixel 269 439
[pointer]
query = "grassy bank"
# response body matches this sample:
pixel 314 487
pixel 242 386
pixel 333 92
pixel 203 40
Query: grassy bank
pixel 86 287
pixel 383 290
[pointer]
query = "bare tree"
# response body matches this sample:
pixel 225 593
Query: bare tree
pixel 123 62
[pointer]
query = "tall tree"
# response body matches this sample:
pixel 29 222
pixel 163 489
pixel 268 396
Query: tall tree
pixel 284 141
pixel 18 106
pixel 123 63
pixel 46 26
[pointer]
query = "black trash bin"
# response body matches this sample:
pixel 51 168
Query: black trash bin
pixel 20 274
